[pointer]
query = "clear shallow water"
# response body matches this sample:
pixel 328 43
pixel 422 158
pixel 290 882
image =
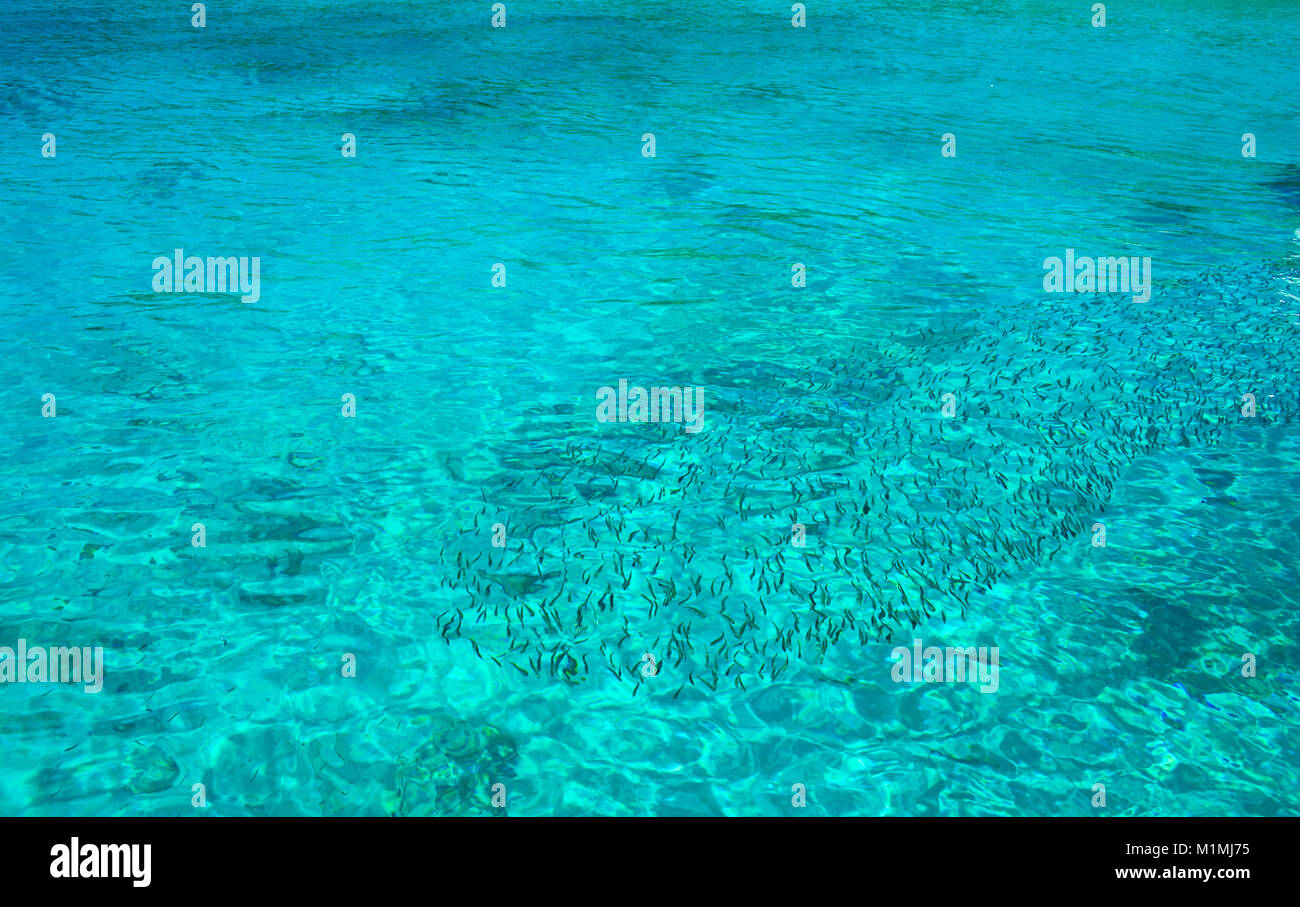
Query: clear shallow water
pixel 476 404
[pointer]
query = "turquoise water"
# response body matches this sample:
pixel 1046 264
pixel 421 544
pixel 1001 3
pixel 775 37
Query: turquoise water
pixel 476 404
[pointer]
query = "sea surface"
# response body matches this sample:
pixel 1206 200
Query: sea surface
pixel 649 638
